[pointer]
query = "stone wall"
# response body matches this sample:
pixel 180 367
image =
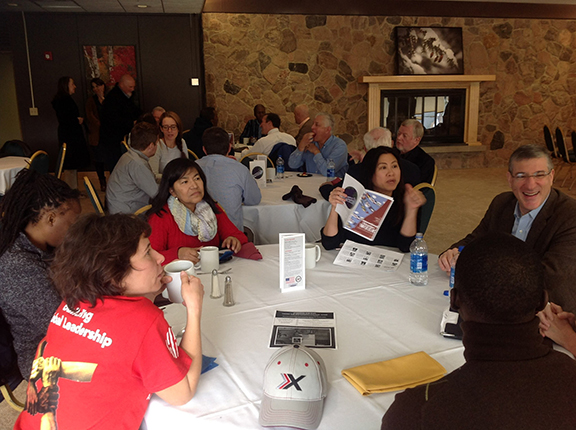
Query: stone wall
pixel 285 60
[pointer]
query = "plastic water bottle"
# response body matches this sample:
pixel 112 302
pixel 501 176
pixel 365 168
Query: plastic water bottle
pixel 453 267
pixel 330 169
pixel 419 261
pixel 280 168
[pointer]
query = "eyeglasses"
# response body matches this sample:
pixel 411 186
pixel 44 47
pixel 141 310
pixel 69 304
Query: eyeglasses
pixel 537 176
pixel 169 127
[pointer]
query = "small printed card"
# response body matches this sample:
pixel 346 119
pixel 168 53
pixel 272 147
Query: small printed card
pixel 292 261
pixel 355 254
pixel 311 329
pixel 364 210
pixel 258 170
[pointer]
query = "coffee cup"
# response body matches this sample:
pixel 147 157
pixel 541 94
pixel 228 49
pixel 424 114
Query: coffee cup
pixel 270 173
pixel 312 255
pixel 246 140
pixel 209 258
pixel 173 289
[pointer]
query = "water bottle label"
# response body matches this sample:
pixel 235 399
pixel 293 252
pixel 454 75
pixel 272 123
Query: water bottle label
pixel 452 274
pixel 330 173
pixel 418 263
pixel 280 169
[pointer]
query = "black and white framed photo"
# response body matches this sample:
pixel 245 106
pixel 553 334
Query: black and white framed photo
pixel 429 51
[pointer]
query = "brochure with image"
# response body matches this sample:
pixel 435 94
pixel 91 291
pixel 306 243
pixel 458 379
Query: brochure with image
pixel 311 329
pixel 364 210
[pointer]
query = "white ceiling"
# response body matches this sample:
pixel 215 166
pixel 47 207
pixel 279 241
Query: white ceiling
pixel 103 6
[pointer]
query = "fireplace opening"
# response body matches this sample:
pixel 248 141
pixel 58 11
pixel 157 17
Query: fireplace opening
pixel 441 112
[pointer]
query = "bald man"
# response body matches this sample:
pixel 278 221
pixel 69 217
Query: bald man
pixel 302 118
pixel 118 116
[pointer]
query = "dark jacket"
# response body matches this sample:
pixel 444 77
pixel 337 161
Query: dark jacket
pixel 70 132
pixel 424 162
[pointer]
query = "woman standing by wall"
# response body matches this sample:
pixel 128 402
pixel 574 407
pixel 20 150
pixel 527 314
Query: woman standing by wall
pixel 70 130
pixel 93 111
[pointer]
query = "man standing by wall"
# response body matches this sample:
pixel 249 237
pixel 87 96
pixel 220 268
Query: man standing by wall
pixel 118 116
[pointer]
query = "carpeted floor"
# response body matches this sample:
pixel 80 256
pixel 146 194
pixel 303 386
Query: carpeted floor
pixel 462 197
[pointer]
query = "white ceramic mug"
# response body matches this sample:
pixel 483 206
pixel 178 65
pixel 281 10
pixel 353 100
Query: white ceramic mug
pixel 270 173
pixel 246 140
pixel 173 289
pixel 209 258
pixel 313 254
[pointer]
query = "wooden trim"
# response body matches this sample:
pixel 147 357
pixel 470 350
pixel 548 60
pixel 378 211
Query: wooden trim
pixel 471 83
pixel 465 9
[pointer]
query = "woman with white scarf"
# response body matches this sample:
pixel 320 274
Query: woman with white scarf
pixel 185 218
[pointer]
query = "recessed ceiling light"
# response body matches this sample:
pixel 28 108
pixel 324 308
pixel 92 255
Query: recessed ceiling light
pixel 142 6
pixel 13 4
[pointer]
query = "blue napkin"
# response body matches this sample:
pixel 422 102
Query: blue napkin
pixel 208 363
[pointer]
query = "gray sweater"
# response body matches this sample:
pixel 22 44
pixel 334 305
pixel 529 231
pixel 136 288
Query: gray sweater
pixel 27 298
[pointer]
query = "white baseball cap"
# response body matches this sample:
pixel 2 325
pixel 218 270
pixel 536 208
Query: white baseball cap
pixel 294 389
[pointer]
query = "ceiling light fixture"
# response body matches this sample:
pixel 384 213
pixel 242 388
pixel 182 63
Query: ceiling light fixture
pixel 142 6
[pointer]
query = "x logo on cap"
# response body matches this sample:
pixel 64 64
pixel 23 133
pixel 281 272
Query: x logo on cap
pixel 289 381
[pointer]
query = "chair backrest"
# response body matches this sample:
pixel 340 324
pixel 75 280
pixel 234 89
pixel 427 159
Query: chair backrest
pixel 142 210
pixel 247 158
pixel 562 145
pixel 98 207
pixel 40 162
pixel 15 148
pixel 434 176
pixel 124 147
pixel 60 161
pixel 285 151
pixel 425 212
pixel 192 154
pixel 549 142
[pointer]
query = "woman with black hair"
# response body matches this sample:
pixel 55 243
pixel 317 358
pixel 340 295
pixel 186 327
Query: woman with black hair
pixel 185 218
pixel 69 129
pixel 381 173
pixel 36 214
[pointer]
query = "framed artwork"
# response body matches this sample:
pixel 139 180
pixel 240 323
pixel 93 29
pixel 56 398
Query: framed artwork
pixel 109 63
pixel 429 51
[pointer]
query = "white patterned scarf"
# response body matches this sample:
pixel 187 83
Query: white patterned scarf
pixel 202 222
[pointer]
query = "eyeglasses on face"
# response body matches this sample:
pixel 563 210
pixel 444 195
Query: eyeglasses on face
pixel 169 127
pixel 537 176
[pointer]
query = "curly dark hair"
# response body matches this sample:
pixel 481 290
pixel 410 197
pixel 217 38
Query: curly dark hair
pixel 95 257
pixel 31 193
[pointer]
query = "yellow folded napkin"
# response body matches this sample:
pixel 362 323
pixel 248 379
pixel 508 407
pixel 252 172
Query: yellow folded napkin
pixel 394 375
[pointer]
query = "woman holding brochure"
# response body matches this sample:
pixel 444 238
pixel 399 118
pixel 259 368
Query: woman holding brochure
pixel 381 173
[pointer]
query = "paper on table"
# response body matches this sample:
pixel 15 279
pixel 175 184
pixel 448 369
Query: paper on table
pixel 292 261
pixel 355 254
pixel 312 329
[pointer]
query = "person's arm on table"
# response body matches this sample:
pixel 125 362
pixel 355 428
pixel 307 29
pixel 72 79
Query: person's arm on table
pixel 251 191
pixel 339 155
pixel 227 230
pixel 182 392
pixel 295 159
pixel 558 326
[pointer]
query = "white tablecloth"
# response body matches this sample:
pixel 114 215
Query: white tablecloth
pixel 274 215
pixel 9 168
pixel 379 316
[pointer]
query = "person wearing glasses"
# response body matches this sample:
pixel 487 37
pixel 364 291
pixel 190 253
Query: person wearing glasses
pixel 538 214
pixel 171 144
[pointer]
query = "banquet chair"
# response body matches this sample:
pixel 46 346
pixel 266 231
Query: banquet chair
pixel 285 150
pixel 425 212
pixel 193 154
pixel 39 162
pixel 567 156
pixel 142 210
pixel 60 161
pixel 434 176
pixel 93 196
pixel 15 148
pixel 124 148
pixel 246 159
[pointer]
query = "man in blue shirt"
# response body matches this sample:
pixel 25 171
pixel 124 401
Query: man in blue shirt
pixel 538 214
pixel 227 181
pixel 316 148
